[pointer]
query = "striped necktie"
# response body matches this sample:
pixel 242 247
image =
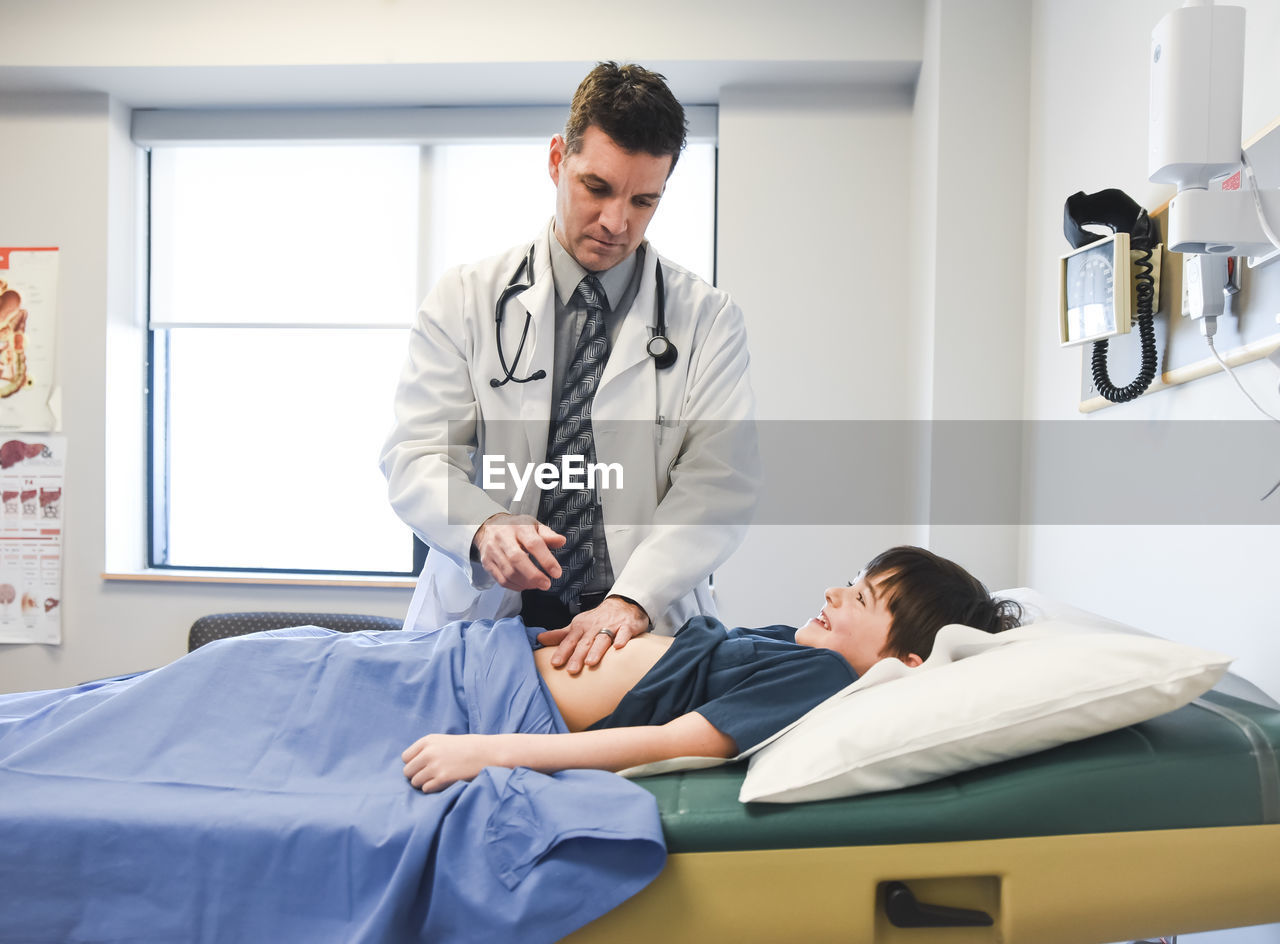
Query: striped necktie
pixel 572 512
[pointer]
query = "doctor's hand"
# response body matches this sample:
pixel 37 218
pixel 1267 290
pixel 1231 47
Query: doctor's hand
pixel 516 551
pixel 592 633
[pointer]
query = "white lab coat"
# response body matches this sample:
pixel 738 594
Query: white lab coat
pixel 689 487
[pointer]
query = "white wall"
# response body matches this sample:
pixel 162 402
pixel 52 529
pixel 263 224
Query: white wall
pixel 878 197
pixel 813 190
pixel 149 33
pixel 971 121
pixel 361 52
pixel 1211 585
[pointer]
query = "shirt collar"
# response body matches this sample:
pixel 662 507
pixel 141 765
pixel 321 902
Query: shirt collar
pixel 566 272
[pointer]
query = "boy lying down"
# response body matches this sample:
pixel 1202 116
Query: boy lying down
pixel 713 692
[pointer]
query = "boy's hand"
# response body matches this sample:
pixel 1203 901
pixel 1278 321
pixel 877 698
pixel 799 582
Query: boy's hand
pixel 438 760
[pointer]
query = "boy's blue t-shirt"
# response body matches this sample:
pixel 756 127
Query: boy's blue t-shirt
pixel 749 683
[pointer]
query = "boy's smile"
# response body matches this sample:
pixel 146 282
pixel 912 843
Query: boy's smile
pixel 854 622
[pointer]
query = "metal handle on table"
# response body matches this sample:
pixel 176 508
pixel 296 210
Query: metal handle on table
pixel 904 911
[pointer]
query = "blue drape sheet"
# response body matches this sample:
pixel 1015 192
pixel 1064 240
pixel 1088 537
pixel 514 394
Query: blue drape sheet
pixel 252 791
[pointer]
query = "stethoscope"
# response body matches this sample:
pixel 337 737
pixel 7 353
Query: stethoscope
pixel 660 348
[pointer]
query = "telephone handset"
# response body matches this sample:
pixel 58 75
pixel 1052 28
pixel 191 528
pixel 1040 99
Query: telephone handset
pixel 1098 277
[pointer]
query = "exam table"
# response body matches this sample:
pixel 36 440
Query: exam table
pixel 1169 826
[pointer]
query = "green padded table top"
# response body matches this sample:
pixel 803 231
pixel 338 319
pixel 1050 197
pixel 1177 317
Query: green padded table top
pixel 1204 765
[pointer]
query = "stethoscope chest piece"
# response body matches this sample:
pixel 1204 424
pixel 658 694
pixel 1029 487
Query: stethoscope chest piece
pixel 662 351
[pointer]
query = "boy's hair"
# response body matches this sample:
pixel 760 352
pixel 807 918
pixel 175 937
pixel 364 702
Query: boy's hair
pixel 926 592
pixel 630 104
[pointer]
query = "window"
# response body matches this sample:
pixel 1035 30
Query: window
pixel 283 278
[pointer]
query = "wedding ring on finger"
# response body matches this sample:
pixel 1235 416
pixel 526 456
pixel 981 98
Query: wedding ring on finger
pixel 606 632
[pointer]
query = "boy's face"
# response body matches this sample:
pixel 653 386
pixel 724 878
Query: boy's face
pixel 854 621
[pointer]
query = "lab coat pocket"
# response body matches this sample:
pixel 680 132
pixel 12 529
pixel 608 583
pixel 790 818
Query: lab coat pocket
pixel 668 440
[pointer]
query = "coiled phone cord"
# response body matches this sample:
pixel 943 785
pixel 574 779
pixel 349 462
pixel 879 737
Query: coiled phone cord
pixel 1145 290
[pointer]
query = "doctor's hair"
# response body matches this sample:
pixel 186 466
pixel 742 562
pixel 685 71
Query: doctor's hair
pixel 926 592
pixel 633 106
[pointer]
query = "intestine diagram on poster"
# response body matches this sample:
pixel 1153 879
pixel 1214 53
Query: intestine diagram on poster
pixel 28 337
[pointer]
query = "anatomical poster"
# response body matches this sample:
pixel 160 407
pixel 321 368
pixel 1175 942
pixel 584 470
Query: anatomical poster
pixel 28 336
pixel 32 466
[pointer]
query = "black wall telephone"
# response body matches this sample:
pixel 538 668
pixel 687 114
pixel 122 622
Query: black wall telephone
pixel 1117 211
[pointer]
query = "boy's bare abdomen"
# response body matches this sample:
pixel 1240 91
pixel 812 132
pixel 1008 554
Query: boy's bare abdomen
pixel 585 698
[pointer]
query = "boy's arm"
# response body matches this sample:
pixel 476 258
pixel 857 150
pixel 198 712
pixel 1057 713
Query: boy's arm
pixel 437 760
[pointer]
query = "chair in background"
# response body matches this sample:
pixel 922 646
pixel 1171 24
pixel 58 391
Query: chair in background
pixel 221 625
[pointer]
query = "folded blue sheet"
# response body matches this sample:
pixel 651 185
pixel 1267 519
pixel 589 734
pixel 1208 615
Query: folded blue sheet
pixel 252 791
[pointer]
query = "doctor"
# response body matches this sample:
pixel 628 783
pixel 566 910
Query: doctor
pixel 582 349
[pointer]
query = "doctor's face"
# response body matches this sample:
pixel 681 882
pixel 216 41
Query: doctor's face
pixel 605 197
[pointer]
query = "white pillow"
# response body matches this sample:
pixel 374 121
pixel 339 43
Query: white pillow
pixel 1038 607
pixel 1034 687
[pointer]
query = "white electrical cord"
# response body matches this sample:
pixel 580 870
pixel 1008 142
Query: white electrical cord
pixel 1209 329
pixel 1257 200
pixel 1232 374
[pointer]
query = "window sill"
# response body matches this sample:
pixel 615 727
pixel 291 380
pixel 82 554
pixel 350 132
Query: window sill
pixel 261 578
